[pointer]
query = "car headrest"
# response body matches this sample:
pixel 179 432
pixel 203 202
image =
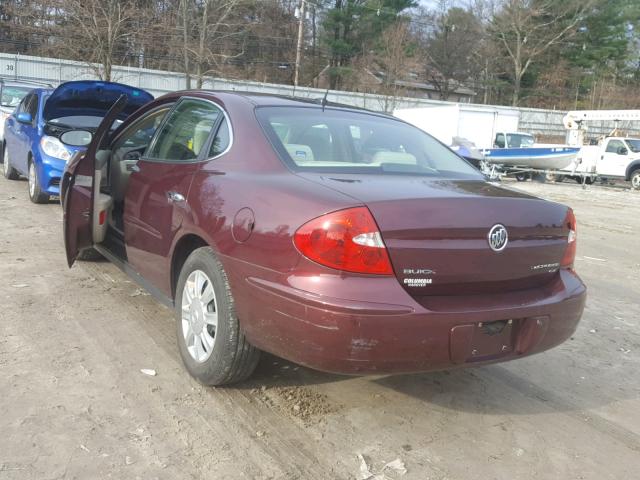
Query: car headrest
pixel 200 135
pixel 394 157
pixel 300 154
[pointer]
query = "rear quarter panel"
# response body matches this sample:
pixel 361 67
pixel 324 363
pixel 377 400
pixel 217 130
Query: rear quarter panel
pixel 250 177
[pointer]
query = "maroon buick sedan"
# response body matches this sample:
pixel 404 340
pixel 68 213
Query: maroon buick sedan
pixel 340 239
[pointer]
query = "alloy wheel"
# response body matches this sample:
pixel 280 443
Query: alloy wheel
pixel 199 316
pixel 635 181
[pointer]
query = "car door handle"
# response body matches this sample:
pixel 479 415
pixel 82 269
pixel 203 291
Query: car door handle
pixel 174 197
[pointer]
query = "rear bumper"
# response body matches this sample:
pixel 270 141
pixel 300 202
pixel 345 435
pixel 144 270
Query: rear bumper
pixel 357 337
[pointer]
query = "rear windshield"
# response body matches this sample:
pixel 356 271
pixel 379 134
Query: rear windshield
pixel 11 96
pixel 339 141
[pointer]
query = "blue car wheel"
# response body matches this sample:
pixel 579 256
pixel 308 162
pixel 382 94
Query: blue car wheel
pixel 36 195
pixel 9 172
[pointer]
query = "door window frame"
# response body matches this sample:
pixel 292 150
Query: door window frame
pixel 203 155
pixel 167 106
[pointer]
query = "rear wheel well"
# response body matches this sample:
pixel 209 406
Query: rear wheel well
pixel 183 249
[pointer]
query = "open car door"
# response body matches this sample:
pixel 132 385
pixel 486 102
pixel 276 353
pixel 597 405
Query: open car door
pixel 79 189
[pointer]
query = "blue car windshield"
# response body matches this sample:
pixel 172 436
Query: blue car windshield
pixel 12 96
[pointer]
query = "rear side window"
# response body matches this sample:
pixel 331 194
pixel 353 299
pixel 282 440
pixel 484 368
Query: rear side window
pixel 186 131
pixel 221 141
pixel 340 141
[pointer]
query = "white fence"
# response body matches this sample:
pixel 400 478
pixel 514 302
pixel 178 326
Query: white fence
pixel 157 82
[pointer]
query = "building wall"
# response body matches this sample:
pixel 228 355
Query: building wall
pixel 544 123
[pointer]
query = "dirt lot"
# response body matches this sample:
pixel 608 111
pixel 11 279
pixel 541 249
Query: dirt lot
pixel 74 403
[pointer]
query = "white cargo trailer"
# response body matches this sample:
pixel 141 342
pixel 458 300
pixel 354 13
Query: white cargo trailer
pixel 476 123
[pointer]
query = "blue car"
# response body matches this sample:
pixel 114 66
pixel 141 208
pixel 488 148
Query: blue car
pixel 31 145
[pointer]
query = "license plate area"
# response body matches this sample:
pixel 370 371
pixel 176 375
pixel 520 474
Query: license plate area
pixel 492 338
pixel 483 341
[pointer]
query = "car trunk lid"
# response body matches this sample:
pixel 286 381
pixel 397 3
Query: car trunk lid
pixel 437 233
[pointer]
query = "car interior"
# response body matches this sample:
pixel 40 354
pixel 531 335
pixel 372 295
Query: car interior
pixel 183 137
pixel 335 144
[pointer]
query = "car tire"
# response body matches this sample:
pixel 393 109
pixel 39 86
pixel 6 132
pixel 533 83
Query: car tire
pixel 586 180
pixel 553 177
pixel 210 340
pixel 9 172
pixel 36 195
pixel 522 177
pixel 89 255
pixel 635 179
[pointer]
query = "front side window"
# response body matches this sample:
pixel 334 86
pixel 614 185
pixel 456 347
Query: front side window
pixel 32 107
pixel 24 105
pixel 186 131
pixel 139 136
pixel 614 146
pixel 339 141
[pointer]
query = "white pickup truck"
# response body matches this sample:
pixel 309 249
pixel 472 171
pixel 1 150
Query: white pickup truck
pixel 614 157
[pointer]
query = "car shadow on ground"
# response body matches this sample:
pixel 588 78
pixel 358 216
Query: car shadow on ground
pixel 500 389
pixel 488 390
pixel 274 371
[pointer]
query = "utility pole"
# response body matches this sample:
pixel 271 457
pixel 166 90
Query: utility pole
pixel 296 76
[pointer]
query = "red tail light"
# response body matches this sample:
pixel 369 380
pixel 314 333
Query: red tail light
pixel 346 240
pixel 570 252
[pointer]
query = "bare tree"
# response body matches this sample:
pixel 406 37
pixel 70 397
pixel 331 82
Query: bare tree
pixel 208 26
pixel 104 28
pixel 185 13
pixel 451 46
pixel 526 29
pixel 394 59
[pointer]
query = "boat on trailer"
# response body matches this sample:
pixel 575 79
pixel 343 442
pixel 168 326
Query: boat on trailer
pixel 538 158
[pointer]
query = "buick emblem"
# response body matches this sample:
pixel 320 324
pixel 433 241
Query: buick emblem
pixel 498 238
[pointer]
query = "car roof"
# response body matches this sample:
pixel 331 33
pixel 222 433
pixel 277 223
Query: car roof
pixel 25 83
pixel 274 100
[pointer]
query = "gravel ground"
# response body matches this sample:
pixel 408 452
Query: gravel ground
pixel 75 404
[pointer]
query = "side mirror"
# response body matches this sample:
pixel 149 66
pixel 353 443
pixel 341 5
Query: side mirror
pixel 24 117
pixel 622 151
pixel 76 138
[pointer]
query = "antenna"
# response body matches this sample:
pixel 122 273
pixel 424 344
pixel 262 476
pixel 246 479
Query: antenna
pixel 324 99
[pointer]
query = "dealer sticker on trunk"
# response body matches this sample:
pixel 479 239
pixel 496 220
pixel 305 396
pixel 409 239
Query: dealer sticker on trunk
pixel 418 282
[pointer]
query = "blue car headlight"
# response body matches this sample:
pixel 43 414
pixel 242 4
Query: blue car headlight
pixel 54 148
